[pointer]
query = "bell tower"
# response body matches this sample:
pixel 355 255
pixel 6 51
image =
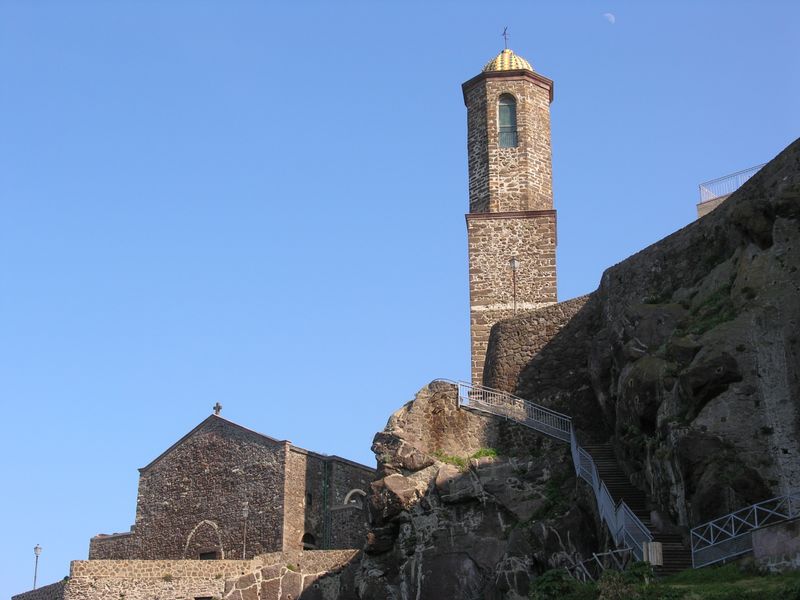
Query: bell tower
pixel 511 224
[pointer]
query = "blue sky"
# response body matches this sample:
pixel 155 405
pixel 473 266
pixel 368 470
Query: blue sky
pixel 262 204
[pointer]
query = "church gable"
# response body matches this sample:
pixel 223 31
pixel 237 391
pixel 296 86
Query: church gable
pixel 217 492
pixel 211 433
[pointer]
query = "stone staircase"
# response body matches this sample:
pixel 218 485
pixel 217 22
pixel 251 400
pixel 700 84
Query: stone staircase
pixel 676 556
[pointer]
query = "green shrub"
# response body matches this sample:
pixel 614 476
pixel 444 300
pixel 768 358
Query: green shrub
pixel 457 461
pixel 484 452
pixel 557 584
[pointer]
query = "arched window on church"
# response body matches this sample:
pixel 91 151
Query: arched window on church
pixel 309 542
pixel 507 121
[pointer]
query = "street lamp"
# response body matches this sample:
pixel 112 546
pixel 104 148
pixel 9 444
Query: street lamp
pixel 37 550
pixel 514 263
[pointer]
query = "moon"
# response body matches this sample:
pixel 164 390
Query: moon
pixel 610 17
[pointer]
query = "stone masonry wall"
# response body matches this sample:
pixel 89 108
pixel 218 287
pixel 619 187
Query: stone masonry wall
pixel 315 575
pixel 315 486
pixel 777 547
pixel 348 522
pixel 512 344
pixel 300 518
pixel 477 149
pixel 493 239
pixel 54 591
pixel 308 491
pixel 191 499
pixel 509 179
pixel 117 545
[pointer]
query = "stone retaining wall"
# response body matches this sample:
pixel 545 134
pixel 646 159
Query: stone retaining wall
pixel 777 547
pixel 54 591
pixel 316 575
pixel 514 342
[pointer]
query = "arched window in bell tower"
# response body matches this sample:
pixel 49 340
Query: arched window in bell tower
pixel 507 121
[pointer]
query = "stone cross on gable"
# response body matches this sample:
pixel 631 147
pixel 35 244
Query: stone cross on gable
pixel 217 408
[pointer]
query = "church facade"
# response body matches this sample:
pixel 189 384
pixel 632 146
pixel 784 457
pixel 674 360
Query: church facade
pixel 226 492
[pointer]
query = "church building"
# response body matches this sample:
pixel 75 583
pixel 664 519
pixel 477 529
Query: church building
pixel 225 492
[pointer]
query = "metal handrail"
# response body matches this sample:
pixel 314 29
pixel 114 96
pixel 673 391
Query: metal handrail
pixel 726 185
pixel 715 541
pixel 591 568
pixel 731 535
pixel 625 527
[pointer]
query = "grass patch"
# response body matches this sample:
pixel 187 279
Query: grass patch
pixel 451 459
pixel 462 462
pixel 484 452
pixel 716 309
pixel 729 582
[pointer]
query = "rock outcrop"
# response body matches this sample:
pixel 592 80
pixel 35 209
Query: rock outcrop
pixel 469 505
pixel 686 357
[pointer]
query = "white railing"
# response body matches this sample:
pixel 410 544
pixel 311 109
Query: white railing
pixel 730 536
pixel 535 416
pixel 626 528
pixel 592 568
pixel 724 186
pixel 712 542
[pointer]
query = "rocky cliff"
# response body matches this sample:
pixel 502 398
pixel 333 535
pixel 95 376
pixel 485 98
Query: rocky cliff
pixel 689 351
pixel 685 359
pixel 469 506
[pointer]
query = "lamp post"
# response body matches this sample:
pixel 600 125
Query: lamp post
pixel 514 263
pixel 245 513
pixel 37 550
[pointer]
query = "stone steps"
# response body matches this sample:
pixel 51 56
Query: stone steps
pixel 676 556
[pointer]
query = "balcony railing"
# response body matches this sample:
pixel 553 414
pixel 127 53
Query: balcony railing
pixel 725 186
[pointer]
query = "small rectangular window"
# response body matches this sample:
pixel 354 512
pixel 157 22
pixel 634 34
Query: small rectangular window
pixel 209 556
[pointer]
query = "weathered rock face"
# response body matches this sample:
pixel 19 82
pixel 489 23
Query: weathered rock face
pixel 689 351
pixel 479 528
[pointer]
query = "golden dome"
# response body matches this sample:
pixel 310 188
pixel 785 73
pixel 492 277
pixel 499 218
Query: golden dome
pixel 507 61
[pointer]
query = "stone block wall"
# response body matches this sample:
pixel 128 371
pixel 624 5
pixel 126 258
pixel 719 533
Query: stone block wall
pixel 115 545
pixel 509 179
pixel 191 499
pixel 493 240
pixel 349 524
pixel 513 343
pixel 54 591
pixel 315 575
pixel 703 208
pixel 315 486
pixel 777 547
pixel 347 513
